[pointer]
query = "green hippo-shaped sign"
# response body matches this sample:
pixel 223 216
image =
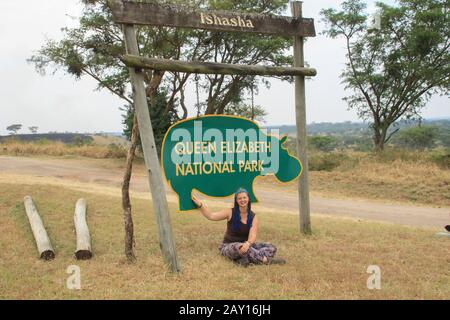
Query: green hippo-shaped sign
pixel 218 154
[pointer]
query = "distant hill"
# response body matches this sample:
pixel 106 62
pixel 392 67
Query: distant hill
pixel 353 128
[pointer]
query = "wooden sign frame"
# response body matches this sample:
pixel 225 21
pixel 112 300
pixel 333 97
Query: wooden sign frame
pixel 129 13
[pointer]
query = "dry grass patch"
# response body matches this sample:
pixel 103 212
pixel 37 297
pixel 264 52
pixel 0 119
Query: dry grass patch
pixel 331 264
pixel 58 149
pixel 415 179
pixel 398 180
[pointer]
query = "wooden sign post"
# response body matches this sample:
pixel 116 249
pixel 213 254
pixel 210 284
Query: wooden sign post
pixel 129 13
pixel 161 208
pixel 300 118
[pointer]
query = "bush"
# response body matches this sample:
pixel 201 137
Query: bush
pixel 419 138
pixel 391 154
pixel 326 161
pixel 79 141
pixel 322 143
pixel 441 157
pixel 116 151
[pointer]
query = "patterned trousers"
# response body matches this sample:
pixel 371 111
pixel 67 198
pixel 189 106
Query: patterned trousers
pixel 255 253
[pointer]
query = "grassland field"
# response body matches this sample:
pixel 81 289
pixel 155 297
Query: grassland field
pixel 330 264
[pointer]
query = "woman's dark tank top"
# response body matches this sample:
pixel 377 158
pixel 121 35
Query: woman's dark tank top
pixel 240 235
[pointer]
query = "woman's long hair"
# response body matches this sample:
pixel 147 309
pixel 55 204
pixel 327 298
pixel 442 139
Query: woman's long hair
pixel 236 217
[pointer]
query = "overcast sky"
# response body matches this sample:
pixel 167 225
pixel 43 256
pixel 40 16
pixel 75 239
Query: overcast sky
pixel 60 103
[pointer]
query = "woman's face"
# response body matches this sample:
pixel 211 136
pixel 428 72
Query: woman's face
pixel 242 199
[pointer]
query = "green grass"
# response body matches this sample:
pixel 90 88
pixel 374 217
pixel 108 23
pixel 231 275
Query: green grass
pixel 330 264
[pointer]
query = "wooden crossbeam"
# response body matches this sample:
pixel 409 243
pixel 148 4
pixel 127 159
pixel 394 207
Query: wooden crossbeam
pixel 129 12
pixel 213 68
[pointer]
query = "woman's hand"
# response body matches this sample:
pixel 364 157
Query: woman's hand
pixel 244 248
pixel 214 216
pixel 197 202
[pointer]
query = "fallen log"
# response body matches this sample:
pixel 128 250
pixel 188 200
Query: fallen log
pixel 84 250
pixel 44 246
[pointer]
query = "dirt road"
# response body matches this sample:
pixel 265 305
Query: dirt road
pixel 107 174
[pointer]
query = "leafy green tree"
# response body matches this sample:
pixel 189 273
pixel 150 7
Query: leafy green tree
pixel 421 137
pixel 160 122
pixel 95 47
pixel 322 143
pixel 393 71
pixel 257 113
pixel 444 137
pixel 14 128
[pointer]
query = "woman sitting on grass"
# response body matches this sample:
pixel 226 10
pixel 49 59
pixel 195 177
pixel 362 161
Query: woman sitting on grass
pixel 239 243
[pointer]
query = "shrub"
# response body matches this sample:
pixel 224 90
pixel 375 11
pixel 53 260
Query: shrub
pixel 441 157
pixel 79 141
pixel 326 161
pixel 417 137
pixel 322 143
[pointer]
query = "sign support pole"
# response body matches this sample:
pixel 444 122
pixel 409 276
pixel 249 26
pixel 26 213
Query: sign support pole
pixel 161 208
pixel 300 115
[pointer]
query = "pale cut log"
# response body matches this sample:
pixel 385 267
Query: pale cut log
pixel 44 246
pixel 84 249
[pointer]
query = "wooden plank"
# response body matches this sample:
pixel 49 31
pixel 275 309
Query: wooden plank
pixel 44 246
pixel 128 12
pixel 84 250
pixel 300 116
pixel 161 208
pixel 213 68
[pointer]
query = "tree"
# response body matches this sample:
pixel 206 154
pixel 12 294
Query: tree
pixel 420 137
pixel 257 113
pixel 160 122
pixel 322 143
pixel 14 128
pixel 393 71
pixel 33 129
pixel 96 46
pixel 94 49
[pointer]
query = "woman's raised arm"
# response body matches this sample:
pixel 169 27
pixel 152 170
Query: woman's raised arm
pixel 214 216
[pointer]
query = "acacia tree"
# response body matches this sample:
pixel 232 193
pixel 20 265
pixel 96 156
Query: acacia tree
pixel 95 47
pixel 14 128
pixel 392 71
pixel 33 129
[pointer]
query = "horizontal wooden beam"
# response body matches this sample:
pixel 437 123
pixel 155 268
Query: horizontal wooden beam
pixel 213 68
pixel 128 12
